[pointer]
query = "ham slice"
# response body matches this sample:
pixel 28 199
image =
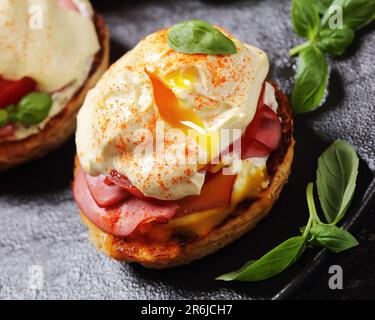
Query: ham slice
pixel 6 131
pixel 122 219
pixel 105 194
pixel 269 133
pixel 69 4
pixel 255 149
pixel 263 135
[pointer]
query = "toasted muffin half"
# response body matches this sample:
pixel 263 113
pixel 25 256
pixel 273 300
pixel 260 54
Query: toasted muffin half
pixel 62 126
pixel 155 254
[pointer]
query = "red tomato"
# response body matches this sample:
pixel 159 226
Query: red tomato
pixel 11 92
pixel 216 192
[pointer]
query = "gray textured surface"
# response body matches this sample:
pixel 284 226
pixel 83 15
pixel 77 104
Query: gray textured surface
pixel 39 224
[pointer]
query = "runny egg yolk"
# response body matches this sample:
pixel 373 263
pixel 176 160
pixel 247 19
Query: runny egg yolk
pixel 170 108
pixel 182 78
pixel 176 115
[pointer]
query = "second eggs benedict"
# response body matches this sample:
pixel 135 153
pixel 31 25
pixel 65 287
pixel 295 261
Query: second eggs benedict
pixel 52 53
pixel 182 146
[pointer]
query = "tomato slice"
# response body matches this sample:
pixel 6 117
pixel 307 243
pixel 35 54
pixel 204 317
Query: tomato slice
pixel 216 192
pixel 11 92
pixel 125 183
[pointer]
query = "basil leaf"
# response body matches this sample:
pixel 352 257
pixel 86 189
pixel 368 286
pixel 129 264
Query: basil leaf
pixel 333 238
pixel 336 179
pixel 196 36
pixel 322 5
pixel 271 263
pixel 311 80
pixel 34 108
pixel 335 41
pixel 4 117
pixel 305 18
pixel 355 13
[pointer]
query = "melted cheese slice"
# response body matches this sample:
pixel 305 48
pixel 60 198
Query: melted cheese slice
pixel 44 41
pixel 250 182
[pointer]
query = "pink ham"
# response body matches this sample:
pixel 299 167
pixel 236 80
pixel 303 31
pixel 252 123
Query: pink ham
pixel 123 219
pixel 255 149
pixel 69 4
pixel 263 134
pixel 6 131
pixel 269 133
pixel 104 194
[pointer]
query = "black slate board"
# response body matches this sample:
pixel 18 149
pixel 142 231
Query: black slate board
pixel 39 223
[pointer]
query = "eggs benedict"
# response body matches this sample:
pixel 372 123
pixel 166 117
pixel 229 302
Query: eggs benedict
pixel 52 53
pixel 182 147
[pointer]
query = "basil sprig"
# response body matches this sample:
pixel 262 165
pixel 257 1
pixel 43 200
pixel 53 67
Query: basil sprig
pixel 336 189
pixel 199 37
pixel 322 5
pixel 308 23
pixel 305 18
pixel 356 13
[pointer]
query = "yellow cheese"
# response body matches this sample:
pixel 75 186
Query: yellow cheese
pixel 200 223
pixel 250 181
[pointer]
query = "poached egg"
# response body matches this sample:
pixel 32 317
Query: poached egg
pixel 155 90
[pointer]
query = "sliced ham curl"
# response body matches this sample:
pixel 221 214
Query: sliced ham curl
pixel 105 194
pixel 69 4
pixel 123 219
pixel 263 135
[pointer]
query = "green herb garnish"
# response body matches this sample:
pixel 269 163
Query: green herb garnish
pixel 336 179
pixel 199 37
pixel 4 117
pixel 311 20
pixel 33 108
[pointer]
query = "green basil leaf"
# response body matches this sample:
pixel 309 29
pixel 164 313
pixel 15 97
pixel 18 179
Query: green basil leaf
pixel 322 5
pixel 335 41
pixel 333 238
pixel 311 80
pixel 305 18
pixel 272 263
pixel 355 13
pixel 336 179
pixel 4 117
pixel 196 36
